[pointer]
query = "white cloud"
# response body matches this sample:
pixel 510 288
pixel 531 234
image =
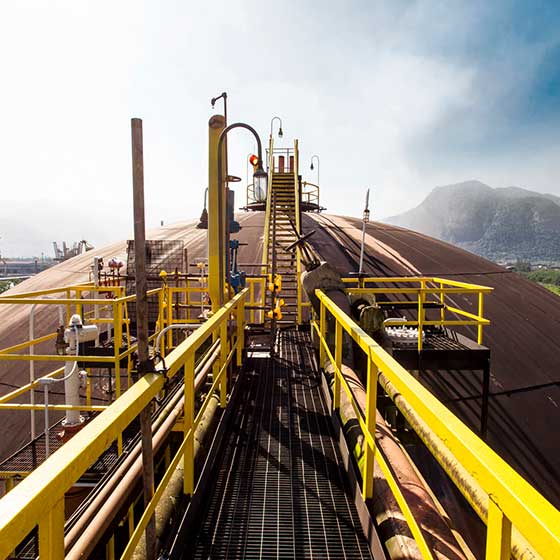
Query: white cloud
pixel 367 86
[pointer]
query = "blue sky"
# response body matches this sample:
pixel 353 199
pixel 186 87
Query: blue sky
pixel 397 96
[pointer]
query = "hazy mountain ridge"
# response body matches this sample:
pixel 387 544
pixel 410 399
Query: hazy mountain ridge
pixel 500 224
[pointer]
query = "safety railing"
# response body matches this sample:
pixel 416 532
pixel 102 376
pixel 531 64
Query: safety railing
pixel 187 304
pixel 513 504
pixel 282 160
pixel 39 499
pixel 422 288
pixel 310 194
pixel 72 301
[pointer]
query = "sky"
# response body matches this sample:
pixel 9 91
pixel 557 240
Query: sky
pixel 396 96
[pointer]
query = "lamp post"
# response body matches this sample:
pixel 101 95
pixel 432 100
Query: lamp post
pixel 259 181
pixel 280 133
pixel 223 96
pixel 312 167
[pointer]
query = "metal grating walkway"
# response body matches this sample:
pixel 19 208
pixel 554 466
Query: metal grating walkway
pixel 280 490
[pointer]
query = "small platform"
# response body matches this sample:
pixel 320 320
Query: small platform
pixel 447 350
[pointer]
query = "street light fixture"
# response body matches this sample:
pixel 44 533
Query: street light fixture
pixel 259 184
pixel 280 133
pixel 312 167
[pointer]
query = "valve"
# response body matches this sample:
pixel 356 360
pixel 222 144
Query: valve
pixel 274 284
pixel 276 313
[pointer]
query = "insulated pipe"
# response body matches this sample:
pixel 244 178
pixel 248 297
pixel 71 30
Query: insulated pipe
pixel 72 383
pixel 185 326
pixel 393 527
pixel 174 490
pixel 93 523
pixel 463 480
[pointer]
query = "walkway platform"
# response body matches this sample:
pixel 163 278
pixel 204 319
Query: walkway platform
pixel 280 489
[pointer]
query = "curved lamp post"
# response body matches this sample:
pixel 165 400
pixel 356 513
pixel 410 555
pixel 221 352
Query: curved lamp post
pixel 312 167
pixel 259 181
pixel 280 133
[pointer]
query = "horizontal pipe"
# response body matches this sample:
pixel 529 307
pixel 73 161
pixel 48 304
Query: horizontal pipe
pixel 84 535
pixel 463 480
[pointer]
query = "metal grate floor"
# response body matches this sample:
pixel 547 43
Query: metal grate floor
pixel 280 490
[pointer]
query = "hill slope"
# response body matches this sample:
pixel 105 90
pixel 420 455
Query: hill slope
pixel 500 224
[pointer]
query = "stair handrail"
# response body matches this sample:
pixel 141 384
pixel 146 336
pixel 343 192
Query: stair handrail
pixel 297 195
pixel 264 259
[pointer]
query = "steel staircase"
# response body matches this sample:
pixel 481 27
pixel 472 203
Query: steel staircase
pixel 282 233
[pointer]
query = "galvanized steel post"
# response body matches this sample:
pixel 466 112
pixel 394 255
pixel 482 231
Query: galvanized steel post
pixel 142 322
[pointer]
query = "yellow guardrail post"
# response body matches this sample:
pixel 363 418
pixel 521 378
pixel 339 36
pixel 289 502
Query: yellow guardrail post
pixel 51 533
pixel 240 331
pixel 371 410
pixel 252 300
pixel 169 312
pixel 323 333
pixel 188 423
pixel 480 312
pixel 223 360
pixel 498 534
pixel 442 301
pixel 338 365
pixel 88 386
pixel 421 318
pixel 117 326
pixel 68 309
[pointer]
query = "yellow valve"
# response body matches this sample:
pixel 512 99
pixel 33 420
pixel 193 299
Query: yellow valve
pixel 276 313
pixel 163 275
pixel 274 285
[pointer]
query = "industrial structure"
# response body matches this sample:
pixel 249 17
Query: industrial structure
pixel 302 388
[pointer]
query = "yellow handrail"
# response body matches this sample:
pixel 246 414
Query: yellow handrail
pixel 512 500
pixel 39 498
pixel 420 287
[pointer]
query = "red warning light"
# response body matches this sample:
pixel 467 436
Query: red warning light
pixel 254 160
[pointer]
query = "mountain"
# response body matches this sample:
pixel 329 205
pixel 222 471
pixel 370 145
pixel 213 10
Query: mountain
pixel 502 224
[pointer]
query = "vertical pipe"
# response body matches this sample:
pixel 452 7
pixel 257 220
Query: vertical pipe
pixel 216 234
pixel 142 322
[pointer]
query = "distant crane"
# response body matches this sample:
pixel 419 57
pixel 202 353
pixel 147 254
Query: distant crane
pixel 78 248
